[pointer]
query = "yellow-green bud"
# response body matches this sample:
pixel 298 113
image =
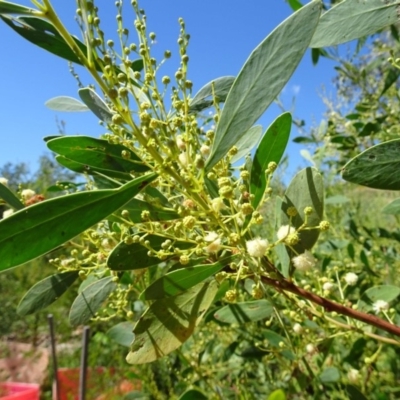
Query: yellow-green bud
pixel 184 260
pixel 224 181
pixel 291 211
pixel 247 209
pixel 167 54
pixel 189 222
pixel 272 166
pixel 245 175
pixel 308 210
pixel 226 192
pixel 324 225
pixel 166 80
pixel 231 295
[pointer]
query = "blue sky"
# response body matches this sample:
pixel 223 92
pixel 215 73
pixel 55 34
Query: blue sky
pixel 223 34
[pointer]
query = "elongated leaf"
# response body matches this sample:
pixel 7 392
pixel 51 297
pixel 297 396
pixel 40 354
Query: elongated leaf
pixel 44 35
pixel 392 208
pixel 46 292
pixel 178 281
pixel 90 300
pixel 246 143
pixel 122 334
pixel 221 89
pixel 96 104
pixel 354 19
pixel 169 322
pixel 383 292
pixel 98 154
pixel 377 167
pixel 9 197
pixel 12 8
pixel 86 169
pixel 271 148
pixel 240 313
pixel 262 77
pixel 305 190
pixel 134 256
pixel 136 207
pixel 66 104
pixel 35 230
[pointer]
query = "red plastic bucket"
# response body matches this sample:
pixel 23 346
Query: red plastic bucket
pixel 19 391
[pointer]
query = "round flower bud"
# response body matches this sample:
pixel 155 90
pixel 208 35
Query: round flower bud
pixel 27 194
pixel 291 211
pixel 3 181
pixel 297 328
pixel 226 192
pixel 184 260
pixel 166 80
pixel 304 262
pixel 272 166
pixel 324 225
pixel 351 278
pixel 167 54
pixel 231 295
pixel 308 210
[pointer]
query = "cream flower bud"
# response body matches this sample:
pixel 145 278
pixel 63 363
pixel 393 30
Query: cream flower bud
pixel 3 181
pixel 217 204
pixel 284 231
pixel 305 261
pixel 327 286
pixel 353 375
pixel 27 194
pixel 183 159
pixel 310 348
pixel 214 247
pixel 211 236
pixel 297 328
pixel 180 143
pixel 351 278
pixel 205 150
pixel 380 305
pixel 257 247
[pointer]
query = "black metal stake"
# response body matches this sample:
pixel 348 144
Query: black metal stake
pixel 84 359
pixel 54 355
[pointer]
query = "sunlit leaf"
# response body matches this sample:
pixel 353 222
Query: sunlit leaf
pixel 96 104
pixel 246 143
pixel 12 8
pixel 377 167
pixel 271 148
pixel 66 104
pixel 10 198
pixel 204 97
pixel 354 19
pixel 122 334
pixel 179 280
pixel 305 190
pixel 93 155
pixel 134 256
pixel 46 292
pixel 169 322
pixel 240 313
pixel 90 300
pixel 37 229
pixel 262 77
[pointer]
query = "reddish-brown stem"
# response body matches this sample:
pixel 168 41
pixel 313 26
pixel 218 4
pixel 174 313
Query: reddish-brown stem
pixel 331 306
